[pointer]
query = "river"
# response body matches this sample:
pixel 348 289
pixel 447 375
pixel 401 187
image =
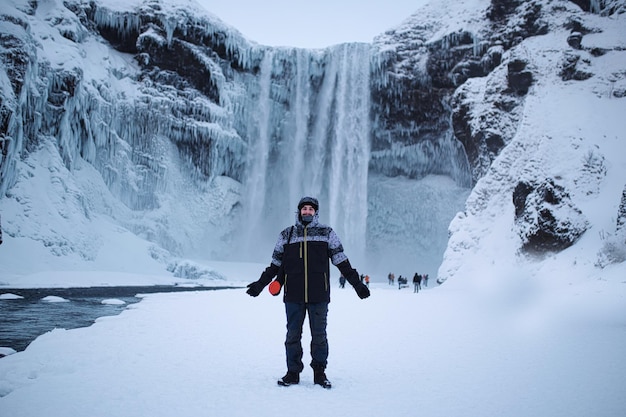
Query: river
pixel 22 320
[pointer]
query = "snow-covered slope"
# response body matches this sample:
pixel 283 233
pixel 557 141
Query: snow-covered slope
pixel 569 133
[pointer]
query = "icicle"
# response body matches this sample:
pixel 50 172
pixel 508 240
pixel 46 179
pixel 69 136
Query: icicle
pixel 169 24
pixel 125 24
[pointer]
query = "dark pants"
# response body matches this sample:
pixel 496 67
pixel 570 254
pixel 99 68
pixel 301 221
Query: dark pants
pixel 317 313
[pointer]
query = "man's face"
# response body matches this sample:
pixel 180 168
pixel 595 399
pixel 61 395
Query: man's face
pixel 307 210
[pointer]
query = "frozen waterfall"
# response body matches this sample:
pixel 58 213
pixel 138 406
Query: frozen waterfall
pixel 308 134
pixel 209 159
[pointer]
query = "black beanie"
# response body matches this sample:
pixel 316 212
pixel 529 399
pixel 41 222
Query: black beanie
pixel 311 201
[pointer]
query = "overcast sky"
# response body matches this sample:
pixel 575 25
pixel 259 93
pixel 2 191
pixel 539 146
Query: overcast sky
pixel 312 24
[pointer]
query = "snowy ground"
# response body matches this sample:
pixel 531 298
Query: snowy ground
pixel 447 351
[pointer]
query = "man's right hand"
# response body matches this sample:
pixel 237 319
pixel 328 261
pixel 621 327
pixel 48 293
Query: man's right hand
pixel 255 288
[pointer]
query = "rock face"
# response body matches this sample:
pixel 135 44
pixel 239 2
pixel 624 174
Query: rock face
pixel 417 102
pixel 545 217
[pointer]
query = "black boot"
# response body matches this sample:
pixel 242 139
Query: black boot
pixel 290 378
pixel 319 378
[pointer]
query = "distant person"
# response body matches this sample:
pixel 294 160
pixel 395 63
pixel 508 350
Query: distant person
pixel 425 277
pixel 342 281
pixel 302 255
pixel 367 280
pixel 417 279
pixel 402 282
pixel 405 282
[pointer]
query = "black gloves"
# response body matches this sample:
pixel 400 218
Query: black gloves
pixel 353 278
pixel 255 288
pixel 362 290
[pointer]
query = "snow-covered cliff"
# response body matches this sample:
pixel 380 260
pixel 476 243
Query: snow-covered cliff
pixel 550 193
pixel 156 119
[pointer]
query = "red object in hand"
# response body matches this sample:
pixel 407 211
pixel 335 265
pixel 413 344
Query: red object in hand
pixel 275 287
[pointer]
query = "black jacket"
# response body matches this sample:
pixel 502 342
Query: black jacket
pixel 302 258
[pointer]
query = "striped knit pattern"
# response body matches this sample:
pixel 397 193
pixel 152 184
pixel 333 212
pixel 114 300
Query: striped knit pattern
pixel 314 232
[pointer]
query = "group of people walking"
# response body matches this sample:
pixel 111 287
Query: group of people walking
pixel 417 281
pixel 403 282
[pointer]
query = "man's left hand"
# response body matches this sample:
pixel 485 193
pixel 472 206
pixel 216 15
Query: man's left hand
pixel 362 290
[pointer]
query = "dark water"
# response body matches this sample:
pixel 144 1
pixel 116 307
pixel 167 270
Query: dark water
pixel 22 320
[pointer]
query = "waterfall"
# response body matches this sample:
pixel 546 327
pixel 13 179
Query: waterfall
pixel 258 153
pixel 350 144
pixel 309 134
pixel 301 114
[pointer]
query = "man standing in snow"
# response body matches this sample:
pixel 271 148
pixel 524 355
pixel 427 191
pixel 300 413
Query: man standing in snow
pixel 302 255
pixel 417 278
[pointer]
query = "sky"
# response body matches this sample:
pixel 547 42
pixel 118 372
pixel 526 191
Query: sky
pixel 312 24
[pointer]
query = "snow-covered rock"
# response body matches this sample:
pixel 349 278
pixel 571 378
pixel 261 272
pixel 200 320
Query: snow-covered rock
pixel 545 217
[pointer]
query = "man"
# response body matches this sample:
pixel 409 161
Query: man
pixel 416 282
pixel 301 261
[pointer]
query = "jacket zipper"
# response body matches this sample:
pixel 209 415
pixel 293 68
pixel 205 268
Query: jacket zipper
pixel 306 270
